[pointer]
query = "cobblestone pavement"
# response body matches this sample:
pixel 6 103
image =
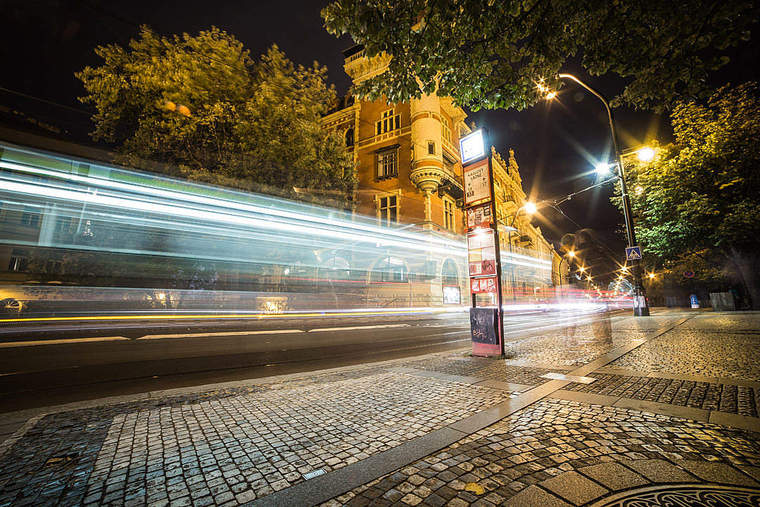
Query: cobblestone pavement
pixel 581 344
pixel 232 445
pixel 564 453
pixel 742 400
pixel 465 365
pixel 715 346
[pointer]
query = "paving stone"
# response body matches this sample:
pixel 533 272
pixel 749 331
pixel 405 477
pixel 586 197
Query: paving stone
pixel 533 496
pixel 753 472
pixel 574 487
pixel 719 473
pixel 614 476
pixel 657 470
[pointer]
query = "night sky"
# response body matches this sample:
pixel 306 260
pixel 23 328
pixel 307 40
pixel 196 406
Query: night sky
pixel 43 42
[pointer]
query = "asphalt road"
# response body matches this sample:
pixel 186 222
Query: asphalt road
pixel 58 361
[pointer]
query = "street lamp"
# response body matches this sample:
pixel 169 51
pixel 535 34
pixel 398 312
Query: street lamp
pixel 645 154
pixel 640 307
pixel 602 169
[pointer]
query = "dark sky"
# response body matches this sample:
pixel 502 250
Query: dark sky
pixel 43 42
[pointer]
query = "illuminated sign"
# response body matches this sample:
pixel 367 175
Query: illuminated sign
pixel 477 184
pixel 472 146
pixel 479 216
pixel 483 285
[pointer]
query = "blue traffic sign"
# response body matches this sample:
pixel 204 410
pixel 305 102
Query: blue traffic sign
pixel 633 253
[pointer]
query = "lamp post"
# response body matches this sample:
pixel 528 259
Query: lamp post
pixel 640 306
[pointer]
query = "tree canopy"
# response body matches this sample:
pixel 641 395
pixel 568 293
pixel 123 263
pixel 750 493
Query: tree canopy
pixel 490 54
pixel 700 196
pixel 204 109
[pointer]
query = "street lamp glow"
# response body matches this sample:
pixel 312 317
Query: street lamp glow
pixel 602 168
pixel 651 276
pixel 571 254
pixel 582 269
pixel 645 154
pixel 551 95
pixel 529 207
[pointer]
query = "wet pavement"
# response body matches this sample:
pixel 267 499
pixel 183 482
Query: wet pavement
pixel 670 413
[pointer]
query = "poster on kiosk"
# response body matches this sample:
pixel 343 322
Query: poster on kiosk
pixel 483 261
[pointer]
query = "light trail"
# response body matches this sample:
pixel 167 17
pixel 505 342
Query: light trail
pixel 149 242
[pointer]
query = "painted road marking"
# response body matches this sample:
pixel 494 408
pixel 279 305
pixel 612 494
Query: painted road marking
pixel 9 345
pixel 230 333
pixel 233 316
pixel 351 328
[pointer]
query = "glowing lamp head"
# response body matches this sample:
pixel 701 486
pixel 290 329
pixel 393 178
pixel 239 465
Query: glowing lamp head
pixel 551 95
pixel 581 269
pixel 645 154
pixel 571 254
pixel 530 208
pixel 651 276
pixel 602 168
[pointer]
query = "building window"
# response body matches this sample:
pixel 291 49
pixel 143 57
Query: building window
pixel 388 122
pixel 19 261
pixel 30 218
pixel 349 137
pixel 387 164
pixel 446 130
pixel 431 148
pixel 63 225
pixel 388 209
pixel 390 269
pixel 448 215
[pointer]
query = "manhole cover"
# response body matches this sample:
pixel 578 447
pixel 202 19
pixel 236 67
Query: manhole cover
pixel 696 495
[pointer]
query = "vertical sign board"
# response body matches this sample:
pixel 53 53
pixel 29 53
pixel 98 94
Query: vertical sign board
pixel 483 260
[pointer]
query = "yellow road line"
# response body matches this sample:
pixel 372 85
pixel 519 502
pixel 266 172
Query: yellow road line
pixel 207 335
pixel 10 345
pixel 231 316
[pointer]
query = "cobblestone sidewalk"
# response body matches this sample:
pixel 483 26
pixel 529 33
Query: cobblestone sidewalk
pixel 565 453
pixel 259 440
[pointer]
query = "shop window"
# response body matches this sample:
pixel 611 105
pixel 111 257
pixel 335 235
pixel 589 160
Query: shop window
pixel 390 269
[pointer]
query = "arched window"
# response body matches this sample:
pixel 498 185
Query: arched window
pixel 349 137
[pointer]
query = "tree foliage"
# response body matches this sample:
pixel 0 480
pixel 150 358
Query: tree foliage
pixel 206 110
pixel 489 54
pixel 700 197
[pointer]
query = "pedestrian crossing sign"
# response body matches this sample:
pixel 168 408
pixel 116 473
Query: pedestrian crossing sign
pixel 633 253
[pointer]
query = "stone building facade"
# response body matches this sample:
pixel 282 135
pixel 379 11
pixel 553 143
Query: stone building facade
pixel 409 169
